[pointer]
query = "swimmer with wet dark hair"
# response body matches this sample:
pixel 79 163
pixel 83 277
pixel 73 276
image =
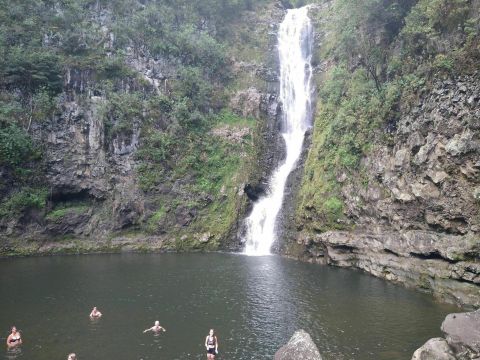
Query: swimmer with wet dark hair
pixel 14 339
pixel 156 328
pixel 211 343
pixel 95 314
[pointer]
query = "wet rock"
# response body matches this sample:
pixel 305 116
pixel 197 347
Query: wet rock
pixel 254 192
pixel 462 331
pixel 434 349
pixel 300 347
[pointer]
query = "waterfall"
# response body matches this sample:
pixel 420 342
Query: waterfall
pixel 295 38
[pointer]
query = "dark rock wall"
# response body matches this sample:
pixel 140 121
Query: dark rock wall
pixel 95 201
pixel 417 221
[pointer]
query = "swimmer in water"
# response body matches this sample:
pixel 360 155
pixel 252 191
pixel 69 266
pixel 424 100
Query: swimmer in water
pixel 155 328
pixel 211 343
pixel 72 356
pixel 95 314
pixel 14 339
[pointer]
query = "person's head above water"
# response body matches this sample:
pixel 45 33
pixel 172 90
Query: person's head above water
pixel 157 323
pixel 14 329
pixel 211 332
pixel 72 356
pixel 95 313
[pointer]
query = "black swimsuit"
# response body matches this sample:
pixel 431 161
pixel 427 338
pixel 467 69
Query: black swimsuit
pixel 211 345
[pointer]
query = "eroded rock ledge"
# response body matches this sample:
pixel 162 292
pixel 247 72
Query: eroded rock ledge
pixel 461 342
pixel 445 265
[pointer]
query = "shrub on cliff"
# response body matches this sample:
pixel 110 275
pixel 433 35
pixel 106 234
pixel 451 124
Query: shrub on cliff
pixel 16 146
pixel 23 199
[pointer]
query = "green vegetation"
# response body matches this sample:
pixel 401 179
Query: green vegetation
pixel 153 221
pixel 16 146
pixel 382 52
pixel 51 51
pixel 23 199
pixel 211 168
pixel 60 212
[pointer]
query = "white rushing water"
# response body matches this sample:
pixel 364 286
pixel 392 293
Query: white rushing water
pixel 295 39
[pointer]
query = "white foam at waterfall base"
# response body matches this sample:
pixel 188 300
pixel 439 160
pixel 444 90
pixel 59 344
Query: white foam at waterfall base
pixel 294 49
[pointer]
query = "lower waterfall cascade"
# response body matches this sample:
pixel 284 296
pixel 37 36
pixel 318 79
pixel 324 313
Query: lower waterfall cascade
pixel 295 42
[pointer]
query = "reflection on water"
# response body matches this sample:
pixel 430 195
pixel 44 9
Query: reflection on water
pixel 253 303
pixel 14 353
pixel 94 323
pixel 270 312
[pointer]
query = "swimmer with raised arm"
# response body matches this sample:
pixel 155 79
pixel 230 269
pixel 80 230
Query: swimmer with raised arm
pixel 155 328
pixel 14 339
pixel 95 314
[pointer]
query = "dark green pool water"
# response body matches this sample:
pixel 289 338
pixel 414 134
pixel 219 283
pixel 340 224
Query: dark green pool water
pixel 254 303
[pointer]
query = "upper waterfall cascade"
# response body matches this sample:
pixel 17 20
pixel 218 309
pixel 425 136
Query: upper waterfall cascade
pixel 295 40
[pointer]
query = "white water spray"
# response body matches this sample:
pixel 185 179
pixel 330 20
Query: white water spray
pixel 295 39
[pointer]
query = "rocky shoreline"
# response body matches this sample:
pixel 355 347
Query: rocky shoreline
pixel 442 265
pixel 144 244
pixel 461 341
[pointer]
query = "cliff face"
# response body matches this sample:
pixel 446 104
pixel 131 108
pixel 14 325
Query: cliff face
pixel 150 146
pixel 400 201
pixel 417 218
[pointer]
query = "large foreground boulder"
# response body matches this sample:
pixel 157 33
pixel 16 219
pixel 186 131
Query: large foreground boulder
pixel 462 331
pixel 434 349
pixel 300 347
pixel 462 339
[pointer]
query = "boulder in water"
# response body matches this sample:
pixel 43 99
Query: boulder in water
pixel 462 339
pixel 462 331
pixel 434 349
pixel 300 347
